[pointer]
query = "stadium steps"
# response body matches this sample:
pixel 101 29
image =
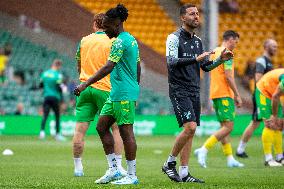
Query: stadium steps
pixel 32 59
pixel 148 22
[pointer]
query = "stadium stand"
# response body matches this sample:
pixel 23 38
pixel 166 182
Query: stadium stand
pixel 148 22
pixel 31 59
pixel 255 24
pixel 255 21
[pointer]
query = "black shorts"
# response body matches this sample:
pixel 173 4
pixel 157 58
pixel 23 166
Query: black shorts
pixel 254 111
pixel 187 108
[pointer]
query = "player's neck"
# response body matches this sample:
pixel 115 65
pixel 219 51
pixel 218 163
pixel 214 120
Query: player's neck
pixel 99 30
pixel 266 54
pixel 121 29
pixel 188 29
pixel 54 68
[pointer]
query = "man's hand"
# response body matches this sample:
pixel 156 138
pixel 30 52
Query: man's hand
pixel 272 122
pixel 203 56
pixel 226 55
pixel 238 101
pixel 79 89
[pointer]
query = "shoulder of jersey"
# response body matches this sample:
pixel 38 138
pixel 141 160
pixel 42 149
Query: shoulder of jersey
pixel 197 37
pixel 88 36
pixel 260 58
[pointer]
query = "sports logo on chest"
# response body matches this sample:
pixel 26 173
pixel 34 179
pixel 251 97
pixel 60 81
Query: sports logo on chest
pixel 197 44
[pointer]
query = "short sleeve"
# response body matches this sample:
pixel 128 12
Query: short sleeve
pixel 59 79
pixel 260 65
pixel 138 56
pixel 281 83
pixel 228 65
pixel 78 52
pixel 117 50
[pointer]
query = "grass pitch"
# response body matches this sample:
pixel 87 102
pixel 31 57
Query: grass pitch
pixel 49 164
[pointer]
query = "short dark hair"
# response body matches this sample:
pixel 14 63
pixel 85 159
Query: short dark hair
pixel 230 33
pixel 182 10
pixel 98 19
pixel 120 11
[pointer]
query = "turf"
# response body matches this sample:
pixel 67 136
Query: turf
pixel 49 164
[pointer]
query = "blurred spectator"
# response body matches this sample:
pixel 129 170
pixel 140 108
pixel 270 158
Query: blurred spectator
pixel 20 109
pixel 228 6
pixel 2 111
pixel 8 49
pixel 9 71
pixel 3 63
pixel 30 23
pixel 40 110
pixel 19 77
pixel 248 78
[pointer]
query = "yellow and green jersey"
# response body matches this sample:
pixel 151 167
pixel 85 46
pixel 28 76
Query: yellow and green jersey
pixel 51 80
pixel 270 81
pixel 123 78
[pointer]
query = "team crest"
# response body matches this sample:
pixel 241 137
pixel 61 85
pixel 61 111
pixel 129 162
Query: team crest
pixel 225 102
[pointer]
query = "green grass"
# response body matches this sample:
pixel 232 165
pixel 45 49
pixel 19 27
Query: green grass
pixel 49 164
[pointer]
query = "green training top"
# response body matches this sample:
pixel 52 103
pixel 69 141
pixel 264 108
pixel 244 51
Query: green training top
pixel 123 78
pixel 51 79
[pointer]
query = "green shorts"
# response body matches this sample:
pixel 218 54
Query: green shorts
pixel 89 103
pixel 122 111
pixel 264 106
pixel 224 108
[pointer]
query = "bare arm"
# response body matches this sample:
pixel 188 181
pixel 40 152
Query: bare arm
pixel 273 121
pixel 258 76
pixel 275 100
pixel 207 65
pixel 138 72
pixel 104 71
pixel 79 66
pixel 233 86
pixel 78 57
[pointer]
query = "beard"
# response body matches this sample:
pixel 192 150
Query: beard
pixel 193 24
pixel 271 52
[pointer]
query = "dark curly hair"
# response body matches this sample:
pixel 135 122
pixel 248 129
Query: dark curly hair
pixel 120 11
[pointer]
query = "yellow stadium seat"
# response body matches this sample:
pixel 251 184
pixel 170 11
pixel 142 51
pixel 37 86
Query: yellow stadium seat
pixel 256 21
pixel 146 17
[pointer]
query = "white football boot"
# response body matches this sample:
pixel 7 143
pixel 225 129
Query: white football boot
pixel 110 175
